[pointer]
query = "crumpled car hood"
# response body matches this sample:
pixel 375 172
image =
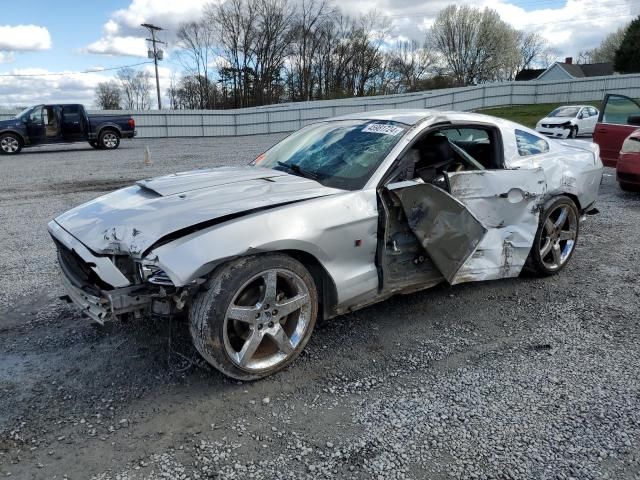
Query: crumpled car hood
pixel 130 220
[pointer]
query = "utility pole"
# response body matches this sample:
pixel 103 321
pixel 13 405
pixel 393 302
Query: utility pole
pixel 156 54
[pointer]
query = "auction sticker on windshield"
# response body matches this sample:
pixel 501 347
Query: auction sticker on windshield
pixel 382 128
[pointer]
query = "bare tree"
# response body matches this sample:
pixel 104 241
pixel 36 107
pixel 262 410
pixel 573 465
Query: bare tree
pixel 531 47
pixel 606 51
pixel 136 88
pixel 476 45
pixel 409 63
pixel 197 40
pixel 234 22
pixel 272 40
pixel 108 95
pixel 308 33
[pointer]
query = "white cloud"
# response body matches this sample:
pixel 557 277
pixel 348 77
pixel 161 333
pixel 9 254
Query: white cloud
pixel 123 34
pixel 6 57
pixel 165 13
pixel 572 26
pixel 575 26
pixel 72 88
pixel 24 38
pixel 115 45
pixel 68 88
pixel 111 28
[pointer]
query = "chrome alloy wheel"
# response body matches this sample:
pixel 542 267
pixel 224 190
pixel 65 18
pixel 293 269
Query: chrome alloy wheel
pixel 9 144
pixel 266 320
pixel 558 237
pixel 110 140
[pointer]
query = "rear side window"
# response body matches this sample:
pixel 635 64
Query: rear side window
pixel 71 112
pixel 71 109
pixel 530 144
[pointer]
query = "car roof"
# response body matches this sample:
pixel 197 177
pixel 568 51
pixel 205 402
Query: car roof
pixel 414 116
pixel 406 116
pixel 574 106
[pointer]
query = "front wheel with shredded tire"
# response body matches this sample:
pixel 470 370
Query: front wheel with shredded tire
pixel 556 237
pixel 255 316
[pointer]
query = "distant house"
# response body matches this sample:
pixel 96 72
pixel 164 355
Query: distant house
pixel 567 70
pixel 529 74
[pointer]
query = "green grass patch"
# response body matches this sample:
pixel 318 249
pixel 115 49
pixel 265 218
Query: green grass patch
pixel 529 115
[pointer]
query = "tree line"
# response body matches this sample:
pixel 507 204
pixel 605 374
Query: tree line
pixel 257 52
pixel 244 53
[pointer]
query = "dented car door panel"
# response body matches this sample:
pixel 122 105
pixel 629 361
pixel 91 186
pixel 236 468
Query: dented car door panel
pixel 507 202
pixel 444 226
pixel 483 229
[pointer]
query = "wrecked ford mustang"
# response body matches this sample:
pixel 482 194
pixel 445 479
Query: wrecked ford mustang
pixel 341 214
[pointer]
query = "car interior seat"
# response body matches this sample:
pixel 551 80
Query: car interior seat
pixel 435 153
pixel 52 123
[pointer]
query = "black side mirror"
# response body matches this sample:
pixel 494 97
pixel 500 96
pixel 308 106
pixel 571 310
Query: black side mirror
pixel 633 120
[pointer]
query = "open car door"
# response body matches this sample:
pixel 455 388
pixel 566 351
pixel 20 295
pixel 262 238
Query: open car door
pixel 482 229
pixel 619 118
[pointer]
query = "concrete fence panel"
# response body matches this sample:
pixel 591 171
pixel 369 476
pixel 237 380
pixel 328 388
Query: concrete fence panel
pixel 291 116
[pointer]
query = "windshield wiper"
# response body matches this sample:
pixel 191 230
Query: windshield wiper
pixel 300 171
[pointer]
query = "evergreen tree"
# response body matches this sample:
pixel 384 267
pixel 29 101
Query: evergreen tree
pixel 627 58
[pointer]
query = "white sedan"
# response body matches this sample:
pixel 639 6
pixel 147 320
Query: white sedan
pixel 569 121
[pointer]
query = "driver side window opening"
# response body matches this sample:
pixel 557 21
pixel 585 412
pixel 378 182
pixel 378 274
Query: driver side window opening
pixel 447 150
pixel 402 258
pixel 36 116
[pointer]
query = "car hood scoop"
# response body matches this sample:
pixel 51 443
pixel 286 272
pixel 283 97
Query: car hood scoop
pixel 131 220
pixel 198 179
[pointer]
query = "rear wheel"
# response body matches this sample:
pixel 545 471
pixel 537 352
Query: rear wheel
pixel 10 144
pixel 109 140
pixel 256 315
pixel 556 237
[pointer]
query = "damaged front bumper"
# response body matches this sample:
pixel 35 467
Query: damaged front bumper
pixel 555 132
pixel 99 288
pixel 103 305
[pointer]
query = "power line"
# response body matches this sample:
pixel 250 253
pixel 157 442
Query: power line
pixel 62 74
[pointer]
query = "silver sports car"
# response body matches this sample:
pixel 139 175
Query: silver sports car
pixel 341 214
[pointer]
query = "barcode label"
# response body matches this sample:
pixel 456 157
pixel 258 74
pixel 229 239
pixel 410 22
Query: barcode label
pixel 382 128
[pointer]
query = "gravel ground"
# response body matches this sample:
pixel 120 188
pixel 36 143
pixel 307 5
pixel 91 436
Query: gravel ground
pixel 521 378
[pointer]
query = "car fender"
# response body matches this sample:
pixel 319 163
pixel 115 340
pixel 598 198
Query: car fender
pixel 17 132
pixel 344 243
pixel 109 125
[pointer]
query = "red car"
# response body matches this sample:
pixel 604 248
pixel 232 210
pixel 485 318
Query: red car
pixel 618 136
pixel 628 166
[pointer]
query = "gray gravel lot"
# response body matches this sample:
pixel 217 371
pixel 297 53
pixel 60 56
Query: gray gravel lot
pixel 522 378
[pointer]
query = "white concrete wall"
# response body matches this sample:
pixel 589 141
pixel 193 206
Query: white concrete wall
pixel 287 117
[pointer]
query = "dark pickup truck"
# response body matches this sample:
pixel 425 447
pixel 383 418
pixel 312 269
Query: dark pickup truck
pixel 49 124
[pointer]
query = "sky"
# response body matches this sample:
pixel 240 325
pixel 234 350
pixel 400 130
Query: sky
pixel 69 36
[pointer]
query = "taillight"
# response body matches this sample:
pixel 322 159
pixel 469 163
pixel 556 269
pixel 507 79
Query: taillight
pixel 132 124
pixel 631 144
